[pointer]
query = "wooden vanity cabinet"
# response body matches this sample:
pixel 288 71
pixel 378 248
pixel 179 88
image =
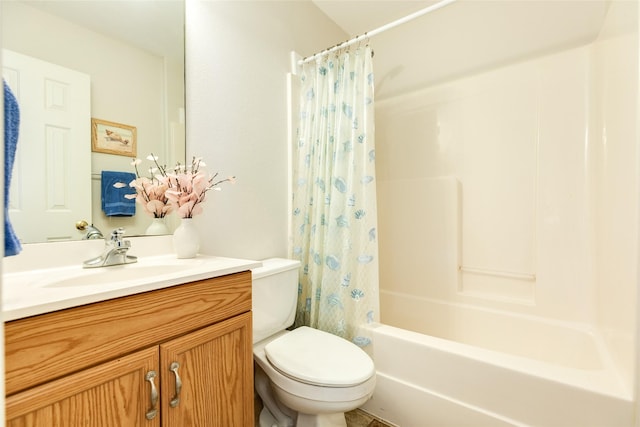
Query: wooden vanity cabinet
pixel 92 365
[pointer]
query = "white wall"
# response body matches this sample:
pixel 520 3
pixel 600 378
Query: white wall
pixel 237 60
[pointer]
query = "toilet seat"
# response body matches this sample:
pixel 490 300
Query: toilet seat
pixel 318 358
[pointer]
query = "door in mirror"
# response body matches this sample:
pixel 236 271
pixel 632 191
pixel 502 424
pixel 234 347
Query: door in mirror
pixel 46 194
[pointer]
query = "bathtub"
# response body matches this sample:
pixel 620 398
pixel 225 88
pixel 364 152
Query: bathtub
pixel 466 366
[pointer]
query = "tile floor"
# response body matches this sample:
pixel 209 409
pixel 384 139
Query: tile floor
pixel 360 418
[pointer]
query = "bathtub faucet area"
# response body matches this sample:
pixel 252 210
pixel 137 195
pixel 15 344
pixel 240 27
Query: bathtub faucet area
pixel 115 252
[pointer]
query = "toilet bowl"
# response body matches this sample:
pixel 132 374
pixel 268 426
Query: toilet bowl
pixel 305 377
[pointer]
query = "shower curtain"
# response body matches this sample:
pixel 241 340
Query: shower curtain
pixel 334 196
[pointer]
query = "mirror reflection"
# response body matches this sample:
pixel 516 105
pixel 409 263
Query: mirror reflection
pixel 118 65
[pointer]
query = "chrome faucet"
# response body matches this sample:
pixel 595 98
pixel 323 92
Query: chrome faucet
pixel 115 252
pixel 92 231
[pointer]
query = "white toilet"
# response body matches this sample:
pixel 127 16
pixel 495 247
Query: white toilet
pixel 305 377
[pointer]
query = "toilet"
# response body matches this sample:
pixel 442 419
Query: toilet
pixel 305 377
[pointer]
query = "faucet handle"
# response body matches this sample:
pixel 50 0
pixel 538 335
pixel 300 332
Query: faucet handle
pixel 116 235
pixel 117 241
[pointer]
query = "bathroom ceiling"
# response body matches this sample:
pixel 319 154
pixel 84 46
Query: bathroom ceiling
pixel 466 37
pixel 359 16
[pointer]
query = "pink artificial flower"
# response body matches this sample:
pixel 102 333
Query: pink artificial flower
pixel 151 191
pixel 188 186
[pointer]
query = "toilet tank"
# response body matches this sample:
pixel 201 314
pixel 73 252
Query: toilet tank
pixel 274 296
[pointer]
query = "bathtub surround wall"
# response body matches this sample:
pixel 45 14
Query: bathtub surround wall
pixel 506 175
pixel 514 191
pixel 237 58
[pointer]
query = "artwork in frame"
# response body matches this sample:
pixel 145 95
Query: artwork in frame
pixel 113 138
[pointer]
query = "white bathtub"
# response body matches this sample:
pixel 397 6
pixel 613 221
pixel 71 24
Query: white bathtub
pixel 465 366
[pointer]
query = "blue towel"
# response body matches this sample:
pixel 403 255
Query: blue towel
pixel 11 130
pixel 113 201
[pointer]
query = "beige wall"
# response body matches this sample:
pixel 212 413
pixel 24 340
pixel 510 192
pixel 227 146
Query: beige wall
pixel 238 55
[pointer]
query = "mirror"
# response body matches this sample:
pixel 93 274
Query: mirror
pixel 133 55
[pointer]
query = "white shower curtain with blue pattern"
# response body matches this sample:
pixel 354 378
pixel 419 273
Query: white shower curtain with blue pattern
pixel 334 196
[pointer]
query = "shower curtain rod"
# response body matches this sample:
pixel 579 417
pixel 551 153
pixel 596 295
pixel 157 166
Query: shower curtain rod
pixel 378 30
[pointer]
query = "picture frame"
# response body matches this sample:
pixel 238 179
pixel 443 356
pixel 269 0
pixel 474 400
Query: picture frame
pixel 113 138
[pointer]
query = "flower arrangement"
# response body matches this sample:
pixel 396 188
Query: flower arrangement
pixel 189 185
pixel 182 190
pixel 151 190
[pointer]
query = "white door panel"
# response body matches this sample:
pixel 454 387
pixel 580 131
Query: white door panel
pixel 51 181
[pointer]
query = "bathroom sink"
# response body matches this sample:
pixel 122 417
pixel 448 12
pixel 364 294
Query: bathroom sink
pixel 109 275
pixel 145 270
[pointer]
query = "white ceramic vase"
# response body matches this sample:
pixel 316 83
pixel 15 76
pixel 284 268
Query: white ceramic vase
pixel 157 227
pixel 186 242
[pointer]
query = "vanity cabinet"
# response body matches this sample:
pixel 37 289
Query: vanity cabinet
pixel 183 351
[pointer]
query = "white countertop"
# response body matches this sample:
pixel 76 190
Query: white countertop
pixel 37 291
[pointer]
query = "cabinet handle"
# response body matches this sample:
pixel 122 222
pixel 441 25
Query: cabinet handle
pixel 176 399
pixel 151 413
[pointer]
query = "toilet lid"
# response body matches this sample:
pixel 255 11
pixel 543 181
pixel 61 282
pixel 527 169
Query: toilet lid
pixel 316 357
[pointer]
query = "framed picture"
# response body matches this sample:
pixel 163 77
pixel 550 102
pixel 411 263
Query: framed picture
pixel 113 138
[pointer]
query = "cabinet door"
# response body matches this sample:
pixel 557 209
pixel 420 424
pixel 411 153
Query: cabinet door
pixel 114 393
pixel 215 366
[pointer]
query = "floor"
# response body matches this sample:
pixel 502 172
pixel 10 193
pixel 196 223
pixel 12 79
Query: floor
pixel 360 418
